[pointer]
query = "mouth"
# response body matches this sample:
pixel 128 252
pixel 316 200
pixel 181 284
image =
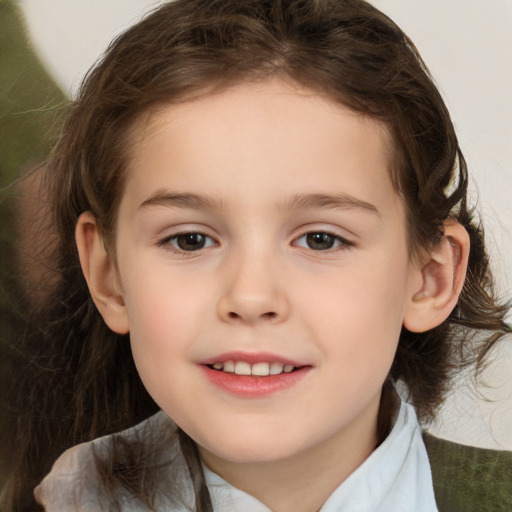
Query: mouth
pixel 253 375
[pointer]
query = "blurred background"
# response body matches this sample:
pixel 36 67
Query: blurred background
pixel 46 47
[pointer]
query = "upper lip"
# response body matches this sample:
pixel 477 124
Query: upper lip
pixel 251 358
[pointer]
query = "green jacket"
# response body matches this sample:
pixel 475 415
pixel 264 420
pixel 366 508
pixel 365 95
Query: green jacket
pixel 469 479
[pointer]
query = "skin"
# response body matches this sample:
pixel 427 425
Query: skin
pixel 253 153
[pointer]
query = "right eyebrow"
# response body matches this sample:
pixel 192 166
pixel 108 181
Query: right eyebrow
pixel 341 201
pixel 181 200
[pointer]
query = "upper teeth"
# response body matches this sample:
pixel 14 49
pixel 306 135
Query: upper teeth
pixel 258 369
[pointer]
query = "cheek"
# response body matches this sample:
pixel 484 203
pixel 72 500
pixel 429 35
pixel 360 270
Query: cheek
pixel 365 296
pixel 358 317
pixel 161 332
pixel 163 323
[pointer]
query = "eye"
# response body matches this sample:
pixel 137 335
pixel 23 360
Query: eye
pixel 321 241
pixel 189 241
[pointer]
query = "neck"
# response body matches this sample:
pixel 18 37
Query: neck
pixel 303 481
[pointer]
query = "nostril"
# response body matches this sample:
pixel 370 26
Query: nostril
pixel 271 315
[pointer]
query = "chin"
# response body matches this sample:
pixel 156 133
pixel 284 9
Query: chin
pixel 252 448
pixel 248 455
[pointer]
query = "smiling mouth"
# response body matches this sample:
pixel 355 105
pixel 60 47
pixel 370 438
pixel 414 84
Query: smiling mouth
pixel 251 376
pixel 262 369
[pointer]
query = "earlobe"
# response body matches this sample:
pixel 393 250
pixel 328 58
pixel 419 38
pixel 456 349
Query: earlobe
pixel 101 274
pixel 442 277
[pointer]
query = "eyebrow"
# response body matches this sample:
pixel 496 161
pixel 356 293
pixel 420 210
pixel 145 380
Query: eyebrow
pixel 343 201
pixel 182 200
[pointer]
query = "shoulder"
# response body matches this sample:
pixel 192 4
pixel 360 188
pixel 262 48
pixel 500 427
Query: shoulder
pixel 71 483
pixel 74 482
pixel 467 478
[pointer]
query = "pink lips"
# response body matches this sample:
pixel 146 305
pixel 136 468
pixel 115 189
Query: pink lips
pixel 252 386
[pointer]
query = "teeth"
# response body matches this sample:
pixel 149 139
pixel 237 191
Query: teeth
pixel 257 369
pixel 229 366
pixel 260 369
pixel 276 368
pixel 242 368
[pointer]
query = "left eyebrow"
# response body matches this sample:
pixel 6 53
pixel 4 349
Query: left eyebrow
pixel 181 200
pixel 343 201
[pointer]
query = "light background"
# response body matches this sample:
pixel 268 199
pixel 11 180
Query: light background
pixel 467 45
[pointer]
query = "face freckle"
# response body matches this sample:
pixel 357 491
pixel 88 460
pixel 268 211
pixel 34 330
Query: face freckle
pixel 304 265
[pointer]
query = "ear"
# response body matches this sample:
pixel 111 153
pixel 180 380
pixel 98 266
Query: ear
pixel 101 274
pixel 442 276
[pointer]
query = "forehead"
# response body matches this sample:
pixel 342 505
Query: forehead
pixel 253 136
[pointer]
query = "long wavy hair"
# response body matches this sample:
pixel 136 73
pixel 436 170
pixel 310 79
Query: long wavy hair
pixel 79 380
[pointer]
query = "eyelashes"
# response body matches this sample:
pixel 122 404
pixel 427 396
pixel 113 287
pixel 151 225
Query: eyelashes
pixel 193 241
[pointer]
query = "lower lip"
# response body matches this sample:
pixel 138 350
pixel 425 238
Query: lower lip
pixel 248 386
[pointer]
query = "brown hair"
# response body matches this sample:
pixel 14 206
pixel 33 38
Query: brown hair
pixel 345 49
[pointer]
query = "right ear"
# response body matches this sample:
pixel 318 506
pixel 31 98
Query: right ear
pixel 101 274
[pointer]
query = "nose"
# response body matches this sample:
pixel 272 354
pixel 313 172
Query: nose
pixel 253 291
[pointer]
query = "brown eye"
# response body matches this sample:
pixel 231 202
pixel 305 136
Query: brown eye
pixel 320 241
pixel 190 241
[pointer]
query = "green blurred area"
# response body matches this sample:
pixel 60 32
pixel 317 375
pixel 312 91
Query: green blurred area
pixel 31 104
pixel 31 112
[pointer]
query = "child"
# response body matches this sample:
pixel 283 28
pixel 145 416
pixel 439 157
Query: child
pixel 262 204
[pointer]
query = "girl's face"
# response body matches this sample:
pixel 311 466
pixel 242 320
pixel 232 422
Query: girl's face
pixel 259 232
